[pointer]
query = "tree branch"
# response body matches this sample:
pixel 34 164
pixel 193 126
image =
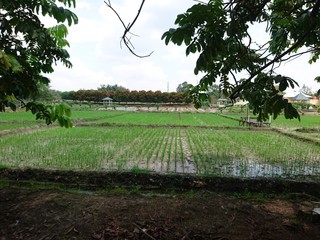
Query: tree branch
pixel 313 14
pixel 127 28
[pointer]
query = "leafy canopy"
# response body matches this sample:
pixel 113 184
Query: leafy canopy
pixel 183 87
pixel 220 32
pixel 28 50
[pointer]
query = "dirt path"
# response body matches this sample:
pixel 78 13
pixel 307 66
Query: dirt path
pixel 51 214
pixel 189 165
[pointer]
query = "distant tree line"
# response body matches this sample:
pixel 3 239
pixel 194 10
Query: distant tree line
pixel 126 96
pixel 122 94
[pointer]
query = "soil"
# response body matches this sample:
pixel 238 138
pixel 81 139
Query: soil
pixel 117 205
pixel 54 214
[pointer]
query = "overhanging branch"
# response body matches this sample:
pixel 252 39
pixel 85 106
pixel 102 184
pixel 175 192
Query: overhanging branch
pixel 280 57
pixel 127 29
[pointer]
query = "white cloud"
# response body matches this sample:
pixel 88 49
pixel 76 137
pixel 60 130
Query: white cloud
pixel 82 4
pixel 79 77
pixel 141 75
pixel 98 59
pixel 302 72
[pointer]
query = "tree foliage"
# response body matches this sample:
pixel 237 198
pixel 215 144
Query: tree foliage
pixel 45 94
pixel 220 32
pixel 28 50
pixel 306 90
pixel 184 87
pixel 126 96
pixel 109 87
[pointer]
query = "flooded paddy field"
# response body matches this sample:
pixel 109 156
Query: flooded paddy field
pixel 165 143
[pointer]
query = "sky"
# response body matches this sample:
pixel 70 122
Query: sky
pixel 98 58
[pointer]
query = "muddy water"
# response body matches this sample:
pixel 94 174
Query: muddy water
pixel 254 169
pixel 175 167
pixel 238 168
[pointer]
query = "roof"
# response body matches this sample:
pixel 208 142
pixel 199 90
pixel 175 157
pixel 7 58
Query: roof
pixel 301 96
pixel 107 99
pixel 294 94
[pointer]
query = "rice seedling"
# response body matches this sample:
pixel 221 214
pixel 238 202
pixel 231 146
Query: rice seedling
pixel 162 149
pixel 155 164
pixel 181 149
pixel 94 116
pixel 140 148
pixel 169 152
pixel 78 148
pixel 211 119
pixel 246 153
pixel 307 121
pixel 170 118
pixel 17 117
pixel 176 150
pixel 193 151
pixel 14 126
pixel 163 152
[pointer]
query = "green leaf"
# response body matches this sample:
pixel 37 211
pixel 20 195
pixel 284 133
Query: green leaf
pixel 221 32
pixel 283 85
pixel 164 35
pixel 29 49
pixel 58 31
pixel 51 113
pixel 290 112
pixel 192 48
pixel 187 39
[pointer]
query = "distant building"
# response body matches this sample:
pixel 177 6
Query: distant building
pixel 300 97
pixel 222 102
pixel 107 101
pixel 315 101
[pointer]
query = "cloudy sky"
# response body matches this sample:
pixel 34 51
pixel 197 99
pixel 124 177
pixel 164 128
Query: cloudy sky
pixel 98 58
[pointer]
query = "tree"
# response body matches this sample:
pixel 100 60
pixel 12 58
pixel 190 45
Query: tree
pixel 28 50
pixel 214 93
pixel 214 90
pixel 183 87
pixel 307 90
pixel 109 87
pixel 45 94
pixel 220 31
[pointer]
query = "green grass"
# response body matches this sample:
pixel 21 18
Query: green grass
pixel 307 121
pixel 170 118
pixel 309 135
pixel 94 115
pixel 17 116
pixel 22 116
pixel 14 126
